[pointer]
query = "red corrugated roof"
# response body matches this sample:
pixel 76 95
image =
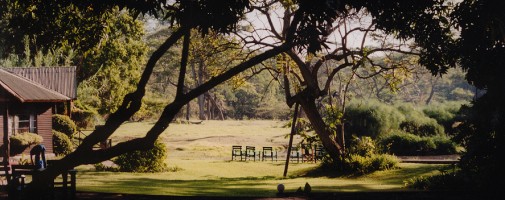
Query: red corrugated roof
pixel 27 90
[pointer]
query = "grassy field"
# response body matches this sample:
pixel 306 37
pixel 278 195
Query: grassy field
pixel 200 159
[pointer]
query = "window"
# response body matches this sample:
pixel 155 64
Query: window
pixel 25 123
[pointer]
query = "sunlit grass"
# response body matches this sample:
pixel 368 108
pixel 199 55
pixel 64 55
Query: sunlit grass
pixel 201 153
pixel 213 178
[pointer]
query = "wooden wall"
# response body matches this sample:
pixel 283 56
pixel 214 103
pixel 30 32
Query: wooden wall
pixel 1 126
pixel 45 126
pixel 44 122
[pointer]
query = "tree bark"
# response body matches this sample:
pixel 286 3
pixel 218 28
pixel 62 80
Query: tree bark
pixel 329 140
pixel 201 98
pixel 432 91
pixel 214 106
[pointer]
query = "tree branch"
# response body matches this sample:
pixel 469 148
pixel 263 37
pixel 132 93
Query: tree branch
pixel 184 64
pixel 132 101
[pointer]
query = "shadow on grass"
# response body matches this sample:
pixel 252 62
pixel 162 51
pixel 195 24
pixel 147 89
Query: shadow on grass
pixel 392 176
pixel 220 187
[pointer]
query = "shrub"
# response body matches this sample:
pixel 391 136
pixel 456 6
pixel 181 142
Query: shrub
pixel 418 123
pixel 410 126
pixel 363 146
pixel 431 128
pixel 445 114
pixel 152 160
pixel 64 124
pixel 444 181
pixel 62 143
pixel 371 119
pixel 84 118
pixel 400 143
pixel 20 142
pixel 406 144
pixel 428 128
pixel 100 167
pixel 362 158
pixel 357 164
pixel 444 145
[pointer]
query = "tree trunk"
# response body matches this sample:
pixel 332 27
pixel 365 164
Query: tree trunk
pixel 201 98
pixel 432 92
pixel 328 139
pixel 215 106
pixel 188 110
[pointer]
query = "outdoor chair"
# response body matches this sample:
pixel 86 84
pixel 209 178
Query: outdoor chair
pixel 307 152
pixel 250 151
pixel 295 154
pixel 319 152
pixel 237 152
pixel 268 152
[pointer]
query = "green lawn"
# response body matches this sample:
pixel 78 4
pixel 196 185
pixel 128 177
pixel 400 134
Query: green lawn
pixel 201 153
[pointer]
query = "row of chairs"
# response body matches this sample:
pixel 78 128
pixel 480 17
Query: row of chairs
pixel 304 152
pixel 307 153
pixel 251 153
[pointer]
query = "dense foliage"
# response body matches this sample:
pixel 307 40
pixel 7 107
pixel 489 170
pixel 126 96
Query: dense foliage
pixel 119 59
pixel 363 157
pixel 371 119
pixel 406 144
pixel 152 160
pixel 84 119
pixel 64 124
pixel 62 145
pixel 444 181
pixel 20 142
pixel 480 49
pixel 357 164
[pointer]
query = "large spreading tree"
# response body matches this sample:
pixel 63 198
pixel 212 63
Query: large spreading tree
pixel 385 29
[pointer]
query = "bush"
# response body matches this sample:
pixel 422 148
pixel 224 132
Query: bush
pixel 444 181
pixel 428 128
pixel 363 146
pixel 418 123
pixel 400 143
pixel 410 126
pixel 371 119
pixel 20 142
pixel 84 119
pixel 445 114
pixel 64 124
pixel 152 160
pixel 444 145
pixel 431 128
pixel 100 167
pixel 62 143
pixel 357 164
pixel 406 144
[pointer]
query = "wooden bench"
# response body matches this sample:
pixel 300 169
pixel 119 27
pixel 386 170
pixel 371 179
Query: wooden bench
pixel 64 183
pixel 20 172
